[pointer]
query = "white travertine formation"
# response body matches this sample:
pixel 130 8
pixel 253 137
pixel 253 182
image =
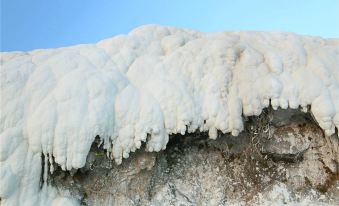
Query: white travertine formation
pixel 144 86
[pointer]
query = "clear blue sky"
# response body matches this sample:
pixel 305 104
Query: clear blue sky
pixel 31 24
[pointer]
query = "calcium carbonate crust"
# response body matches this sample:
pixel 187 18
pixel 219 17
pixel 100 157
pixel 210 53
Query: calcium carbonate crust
pixel 144 86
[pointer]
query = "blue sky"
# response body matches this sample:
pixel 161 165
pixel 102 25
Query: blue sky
pixel 33 24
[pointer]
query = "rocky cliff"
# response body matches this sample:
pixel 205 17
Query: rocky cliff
pixel 132 119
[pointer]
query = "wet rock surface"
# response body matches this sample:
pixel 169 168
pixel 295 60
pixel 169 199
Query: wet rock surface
pixel 282 157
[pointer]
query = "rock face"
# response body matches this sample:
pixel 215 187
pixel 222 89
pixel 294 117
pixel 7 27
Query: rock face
pixel 281 157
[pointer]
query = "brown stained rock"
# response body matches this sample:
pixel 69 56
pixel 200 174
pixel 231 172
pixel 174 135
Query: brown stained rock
pixel 277 159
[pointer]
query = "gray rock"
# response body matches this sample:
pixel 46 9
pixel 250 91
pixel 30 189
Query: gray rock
pixel 276 160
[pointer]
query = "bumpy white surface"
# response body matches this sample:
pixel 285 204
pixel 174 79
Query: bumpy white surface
pixel 148 84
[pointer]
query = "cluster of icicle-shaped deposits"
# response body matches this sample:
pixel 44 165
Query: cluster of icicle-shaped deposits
pixel 146 85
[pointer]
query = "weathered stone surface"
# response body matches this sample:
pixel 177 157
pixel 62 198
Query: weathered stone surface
pixel 278 159
pixel 290 142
